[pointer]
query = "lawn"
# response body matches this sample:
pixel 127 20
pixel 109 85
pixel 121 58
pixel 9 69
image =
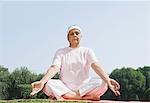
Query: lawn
pixel 54 101
pixel 39 101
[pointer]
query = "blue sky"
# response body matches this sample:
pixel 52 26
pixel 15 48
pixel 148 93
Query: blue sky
pixel 117 31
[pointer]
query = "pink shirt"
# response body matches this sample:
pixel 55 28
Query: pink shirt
pixel 74 64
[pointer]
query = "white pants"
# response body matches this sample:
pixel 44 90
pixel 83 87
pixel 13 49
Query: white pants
pixel 56 88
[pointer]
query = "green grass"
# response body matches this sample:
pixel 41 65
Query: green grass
pixel 39 101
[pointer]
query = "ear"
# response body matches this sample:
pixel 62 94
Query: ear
pixel 68 37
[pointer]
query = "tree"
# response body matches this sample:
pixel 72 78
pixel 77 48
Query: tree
pixel 22 76
pixel 16 78
pixel 146 90
pixel 24 90
pixel 13 89
pixel 4 90
pixel 4 76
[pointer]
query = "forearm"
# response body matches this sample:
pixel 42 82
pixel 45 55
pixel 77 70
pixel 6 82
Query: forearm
pixel 50 73
pixel 97 68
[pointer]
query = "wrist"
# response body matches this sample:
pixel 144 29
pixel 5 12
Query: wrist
pixel 42 81
pixel 108 82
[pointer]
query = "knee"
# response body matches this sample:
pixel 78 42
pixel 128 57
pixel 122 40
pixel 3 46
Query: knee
pixel 53 82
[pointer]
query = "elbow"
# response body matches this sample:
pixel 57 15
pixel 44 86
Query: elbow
pixel 54 68
pixel 95 65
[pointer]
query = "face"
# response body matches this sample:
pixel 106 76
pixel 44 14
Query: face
pixel 74 37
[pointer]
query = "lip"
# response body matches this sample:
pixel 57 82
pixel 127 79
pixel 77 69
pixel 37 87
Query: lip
pixel 75 38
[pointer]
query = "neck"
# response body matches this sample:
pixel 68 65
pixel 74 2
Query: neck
pixel 74 46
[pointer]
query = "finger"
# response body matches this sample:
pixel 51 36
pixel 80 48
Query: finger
pixel 117 87
pixel 117 93
pixel 116 84
pixel 113 90
pixel 32 85
pixel 34 91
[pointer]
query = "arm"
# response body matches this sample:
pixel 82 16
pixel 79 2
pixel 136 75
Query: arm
pixel 112 84
pixel 38 85
pixel 50 73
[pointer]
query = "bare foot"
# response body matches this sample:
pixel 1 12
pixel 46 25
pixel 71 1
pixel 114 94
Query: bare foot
pixel 72 95
pixel 61 99
pixel 91 97
pixel 52 98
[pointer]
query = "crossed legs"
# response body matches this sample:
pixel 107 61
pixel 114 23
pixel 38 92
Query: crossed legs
pixel 55 88
pixel 76 96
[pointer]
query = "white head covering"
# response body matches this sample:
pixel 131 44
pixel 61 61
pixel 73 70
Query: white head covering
pixel 73 27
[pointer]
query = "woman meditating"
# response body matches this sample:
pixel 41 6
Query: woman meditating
pixel 73 64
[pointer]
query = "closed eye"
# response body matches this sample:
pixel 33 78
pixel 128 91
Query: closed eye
pixel 77 33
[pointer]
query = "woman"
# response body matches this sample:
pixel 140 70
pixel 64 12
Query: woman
pixel 74 63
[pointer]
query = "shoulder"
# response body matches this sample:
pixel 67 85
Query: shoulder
pixel 61 50
pixel 86 48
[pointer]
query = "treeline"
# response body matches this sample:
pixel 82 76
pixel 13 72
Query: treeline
pixel 135 84
pixel 17 85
